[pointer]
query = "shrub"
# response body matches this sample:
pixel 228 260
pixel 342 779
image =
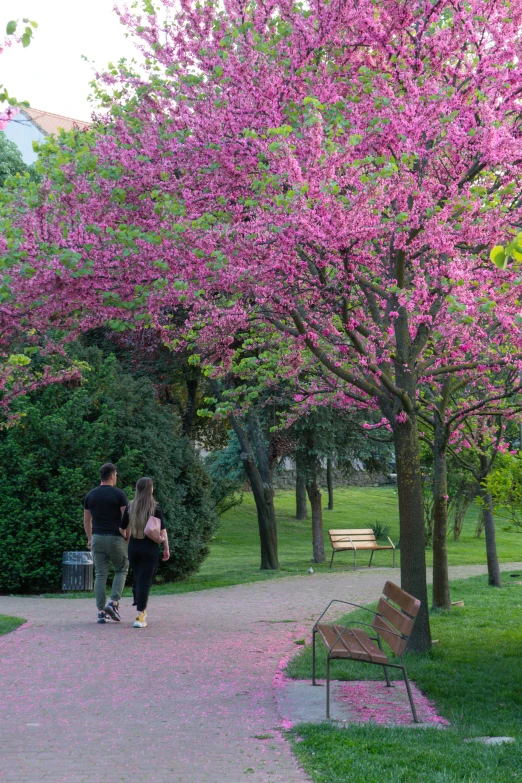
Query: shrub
pixel 380 530
pixel 50 459
pixel 505 485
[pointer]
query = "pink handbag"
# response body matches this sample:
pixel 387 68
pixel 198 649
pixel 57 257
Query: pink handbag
pixel 153 529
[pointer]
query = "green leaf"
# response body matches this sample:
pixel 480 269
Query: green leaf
pixel 498 256
pixel 18 360
pixel 11 28
pixel 26 40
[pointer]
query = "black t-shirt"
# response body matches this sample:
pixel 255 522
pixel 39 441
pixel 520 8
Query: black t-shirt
pixel 105 503
pixel 126 519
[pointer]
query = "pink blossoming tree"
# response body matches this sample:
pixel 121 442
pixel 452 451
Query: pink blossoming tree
pixel 18 349
pixel 334 173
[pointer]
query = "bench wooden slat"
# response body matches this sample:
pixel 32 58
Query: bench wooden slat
pixel 363 641
pixel 359 545
pixel 354 644
pixel 403 599
pixel 352 536
pixel 389 635
pixel 329 635
pixel 349 531
pixel 401 622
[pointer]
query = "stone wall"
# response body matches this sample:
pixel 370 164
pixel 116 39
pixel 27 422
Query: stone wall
pixel 285 478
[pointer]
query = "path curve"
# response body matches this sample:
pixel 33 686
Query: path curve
pixel 188 699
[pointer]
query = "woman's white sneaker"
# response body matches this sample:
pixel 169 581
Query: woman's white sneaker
pixel 141 620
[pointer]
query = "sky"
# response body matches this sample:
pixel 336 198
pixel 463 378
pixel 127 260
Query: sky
pixel 50 73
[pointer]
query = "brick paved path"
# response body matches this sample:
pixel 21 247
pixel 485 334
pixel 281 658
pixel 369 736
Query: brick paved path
pixel 188 699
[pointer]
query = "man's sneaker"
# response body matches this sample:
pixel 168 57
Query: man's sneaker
pixel 102 617
pixel 112 610
pixel 141 620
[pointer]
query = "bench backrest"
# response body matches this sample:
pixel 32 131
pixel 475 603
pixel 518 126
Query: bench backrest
pixel 398 610
pixel 344 538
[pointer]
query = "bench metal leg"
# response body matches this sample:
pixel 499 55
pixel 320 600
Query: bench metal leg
pixel 410 696
pixel 354 559
pixel 386 674
pixel 393 559
pixel 327 687
pixel 371 558
pixel 331 561
pixel 313 656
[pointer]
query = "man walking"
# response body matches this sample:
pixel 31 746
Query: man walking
pixel 103 509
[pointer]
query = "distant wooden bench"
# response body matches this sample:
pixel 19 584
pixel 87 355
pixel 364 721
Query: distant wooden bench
pixel 355 540
pixel 391 623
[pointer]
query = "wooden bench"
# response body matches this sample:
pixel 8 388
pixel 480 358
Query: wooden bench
pixel 392 623
pixel 362 538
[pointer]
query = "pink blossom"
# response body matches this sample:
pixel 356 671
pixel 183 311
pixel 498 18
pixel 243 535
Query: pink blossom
pixel 7 115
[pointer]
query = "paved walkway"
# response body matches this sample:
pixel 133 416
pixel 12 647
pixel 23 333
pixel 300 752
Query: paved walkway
pixel 188 699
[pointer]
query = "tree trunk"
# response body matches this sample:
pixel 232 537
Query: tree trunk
pixel 301 506
pixel 480 524
pixel 266 518
pixel 329 483
pixel 411 514
pixel 491 544
pixel 441 588
pixel 465 497
pixel 262 489
pixel 314 494
pixel 190 408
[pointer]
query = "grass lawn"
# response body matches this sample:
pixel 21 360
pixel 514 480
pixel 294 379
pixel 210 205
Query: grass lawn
pixel 9 623
pixel 234 552
pixel 475 678
pixel 236 544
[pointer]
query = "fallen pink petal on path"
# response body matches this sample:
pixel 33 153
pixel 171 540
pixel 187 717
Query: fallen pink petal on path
pixel 373 701
pixel 207 677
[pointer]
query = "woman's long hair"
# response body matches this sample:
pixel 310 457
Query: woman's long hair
pixel 141 507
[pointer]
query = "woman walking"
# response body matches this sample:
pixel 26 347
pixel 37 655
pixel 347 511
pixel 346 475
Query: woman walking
pixel 144 551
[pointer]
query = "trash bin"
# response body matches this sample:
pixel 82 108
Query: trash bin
pixel 77 571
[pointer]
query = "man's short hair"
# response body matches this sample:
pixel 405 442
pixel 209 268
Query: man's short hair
pixel 107 470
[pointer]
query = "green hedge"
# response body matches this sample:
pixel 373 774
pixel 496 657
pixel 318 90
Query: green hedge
pixel 51 458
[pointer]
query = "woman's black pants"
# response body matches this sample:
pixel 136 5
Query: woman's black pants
pixel 144 558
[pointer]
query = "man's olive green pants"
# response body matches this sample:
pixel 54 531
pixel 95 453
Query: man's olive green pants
pixel 107 550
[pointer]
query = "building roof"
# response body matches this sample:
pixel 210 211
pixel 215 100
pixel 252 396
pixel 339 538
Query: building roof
pixel 50 123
